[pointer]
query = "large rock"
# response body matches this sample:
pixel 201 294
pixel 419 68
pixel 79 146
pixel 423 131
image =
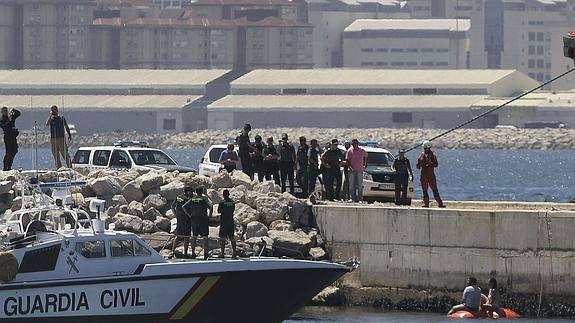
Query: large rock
pixel 300 213
pixel 257 245
pixel 163 224
pixel 157 240
pixel 317 253
pixel 271 209
pixel 251 197
pixel 197 181
pixel 6 187
pixel 215 196
pixel 240 178
pixel 128 222
pixel 281 225
pixel 244 214
pixel 136 208
pixel 106 185
pixel 223 180
pixel 172 190
pixel 237 194
pixel 116 200
pixel 290 243
pixel 155 201
pixel 266 187
pixel 5 202
pixel 255 229
pixel 149 226
pixel 150 181
pixel 170 214
pixel 151 214
pixel 132 191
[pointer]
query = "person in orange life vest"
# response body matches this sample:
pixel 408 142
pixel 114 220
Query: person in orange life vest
pixel 427 162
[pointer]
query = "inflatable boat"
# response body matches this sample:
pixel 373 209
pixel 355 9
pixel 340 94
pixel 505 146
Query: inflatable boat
pixel 484 314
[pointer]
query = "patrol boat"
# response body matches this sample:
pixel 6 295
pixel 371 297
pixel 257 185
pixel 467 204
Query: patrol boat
pixel 86 273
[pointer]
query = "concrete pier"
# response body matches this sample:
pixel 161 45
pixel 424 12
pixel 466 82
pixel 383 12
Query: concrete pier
pixel 528 247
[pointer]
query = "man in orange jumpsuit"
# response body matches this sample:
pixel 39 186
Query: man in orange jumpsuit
pixel 427 162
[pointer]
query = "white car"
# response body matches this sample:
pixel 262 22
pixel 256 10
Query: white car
pixel 126 155
pixel 210 164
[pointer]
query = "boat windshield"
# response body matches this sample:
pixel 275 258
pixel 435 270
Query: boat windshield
pixel 379 159
pixel 151 157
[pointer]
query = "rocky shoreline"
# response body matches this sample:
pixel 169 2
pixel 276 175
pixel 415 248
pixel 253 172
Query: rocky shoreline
pixel 139 202
pixel 552 139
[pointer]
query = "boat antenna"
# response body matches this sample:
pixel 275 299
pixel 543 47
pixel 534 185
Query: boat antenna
pixel 496 108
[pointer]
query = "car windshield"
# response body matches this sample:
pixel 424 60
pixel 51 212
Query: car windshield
pixel 379 159
pixel 150 157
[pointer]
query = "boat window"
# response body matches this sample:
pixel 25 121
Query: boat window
pixel 101 157
pixel 121 248
pixel 43 259
pixel 81 157
pixel 91 249
pixel 141 250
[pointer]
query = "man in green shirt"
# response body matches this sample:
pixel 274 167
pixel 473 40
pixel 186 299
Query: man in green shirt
pixel 184 224
pixel 199 206
pixel 227 227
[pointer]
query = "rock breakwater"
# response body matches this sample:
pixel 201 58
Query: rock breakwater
pixel 140 202
pixel 388 137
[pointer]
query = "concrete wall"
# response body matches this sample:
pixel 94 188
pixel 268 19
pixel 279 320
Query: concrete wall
pixel 439 248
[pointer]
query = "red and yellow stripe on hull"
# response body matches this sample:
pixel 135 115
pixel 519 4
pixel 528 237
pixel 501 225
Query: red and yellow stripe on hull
pixel 193 297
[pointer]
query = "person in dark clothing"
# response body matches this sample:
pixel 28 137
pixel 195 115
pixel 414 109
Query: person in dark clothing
pixel 427 162
pixel 184 224
pixel 332 160
pixel 258 157
pixel 227 227
pixel 402 169
pixel 58 126
pixel 270 163
pixel 287 163
pixel 302 175
pixel 313 158
pixel 345 168
pixel 199 206
pixel 245 148
pixel 8 124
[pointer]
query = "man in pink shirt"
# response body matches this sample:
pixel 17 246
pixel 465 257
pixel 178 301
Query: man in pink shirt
pixel 356 159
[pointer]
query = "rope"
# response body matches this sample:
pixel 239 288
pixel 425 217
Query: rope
pixel 496 108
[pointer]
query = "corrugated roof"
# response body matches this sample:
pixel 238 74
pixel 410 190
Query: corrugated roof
pixel 345 101
pixel 409 24
pixel 364 78
pixel 242 3
pixel 98 101
pixel 108 78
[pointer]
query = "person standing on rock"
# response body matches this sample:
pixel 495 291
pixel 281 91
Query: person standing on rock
pixel 332 159
pixel 287 163
pixel 227 227
pixel 356 158
pixel 229 158
pixel 270 163
pixel 258 158
pixel 302 175
pixel 402 169
pixel 58 127
pixel 8 124
pixel 245 147
pixel 184 224
pixel 199 206
pixel 427 162
pixel 313 158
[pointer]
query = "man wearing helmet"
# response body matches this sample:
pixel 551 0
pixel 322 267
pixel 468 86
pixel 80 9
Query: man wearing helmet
pixel 427 162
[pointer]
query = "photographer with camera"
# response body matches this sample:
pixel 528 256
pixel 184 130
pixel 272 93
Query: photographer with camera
pixel 8 124
pixel 427 162
pixel 58 142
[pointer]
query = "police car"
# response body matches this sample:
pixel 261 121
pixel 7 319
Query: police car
pixel 126 155
pixel 210 164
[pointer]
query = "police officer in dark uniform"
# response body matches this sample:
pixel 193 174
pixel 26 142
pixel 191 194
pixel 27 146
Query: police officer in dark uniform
pixel 184 225
pixel 8 124
pixel 270 163
pixel 287 163
pixel 402 169
pixel 302 175
pixel 227 227
pixel 258 158
pixel 314 156
pixel 245 147
pixel 199 206
pixel 332 158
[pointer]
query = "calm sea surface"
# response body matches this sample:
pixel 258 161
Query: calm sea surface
pixel 516 175
pixel 520 175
